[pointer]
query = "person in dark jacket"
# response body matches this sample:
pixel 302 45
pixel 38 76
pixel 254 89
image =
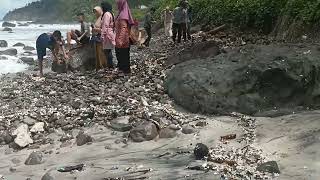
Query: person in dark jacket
pixel 148 25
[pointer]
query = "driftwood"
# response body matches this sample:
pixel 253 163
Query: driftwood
pixel 216 30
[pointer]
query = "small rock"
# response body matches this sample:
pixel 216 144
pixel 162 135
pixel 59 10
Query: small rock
pixel 12 169
pixel 270 167
pixel 8 24
pixel 23 138
pixel 121 124
pixel 201 151
pixel 29 48
pixel 27 60
pixel 18 45
pixel 83 138
pixel 3 58
pixel 16 161
pixel 144 132
pixel 47 176
pixel 34 158
pixel 175 127
pixel 3 43
pixel 29 121
pixel 6 137
pixel 201 124
pixel 38 127
pixel 167 133
pixel 188 129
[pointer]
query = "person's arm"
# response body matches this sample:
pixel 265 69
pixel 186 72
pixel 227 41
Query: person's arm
pixel 85 33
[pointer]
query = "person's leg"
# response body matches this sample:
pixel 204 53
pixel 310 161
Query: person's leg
pixel 189 31
pixel 184 31
pixel 126 60
pixel 174 31
pixel 179 33
pixel 108 54
pixel 119 59
pixel 69 38
pixel 40 61
pixel 147 42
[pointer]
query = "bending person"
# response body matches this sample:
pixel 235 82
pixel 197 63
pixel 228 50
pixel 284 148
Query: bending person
pixel 53 42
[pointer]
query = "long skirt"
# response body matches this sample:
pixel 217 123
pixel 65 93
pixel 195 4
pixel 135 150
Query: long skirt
pixel 101 60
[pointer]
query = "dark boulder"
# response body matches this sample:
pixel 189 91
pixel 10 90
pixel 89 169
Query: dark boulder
pixel 29 48
pixel 8 24
pixel 18 45
pixel 270 167
pixel 34 158
pixel 167 133
pixel 3 43
pixel 27 60
pixel 146 131
pixel 9 52
pixel 248 80
pixel 7 29
pixel 201 151
pixel 201 50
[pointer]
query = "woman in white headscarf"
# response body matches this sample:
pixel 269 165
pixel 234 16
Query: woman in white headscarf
pixel 101 61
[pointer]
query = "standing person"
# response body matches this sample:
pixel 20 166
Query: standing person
pixel 179 26
pixel 82 36
pixel 189 20
pixel 148 20
pixel 53 42
pixel 107 32
pixel 167 16
pixel 123 23
pixel 101 62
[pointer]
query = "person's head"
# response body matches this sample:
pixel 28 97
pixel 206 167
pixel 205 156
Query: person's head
pixel 57 35
pixel 80 17
pixel 167 9
pixel 106 7
pixel 121 4
pixel 97 11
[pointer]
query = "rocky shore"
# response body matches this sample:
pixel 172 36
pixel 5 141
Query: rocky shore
pixel 96 125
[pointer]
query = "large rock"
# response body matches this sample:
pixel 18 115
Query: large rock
pixel 270 167
pixel 7 29
pixel 8 24
pixel 9 52
pixel 146 131
pixel 202 50
pixel 248 80
pixel 82 58
pixel 22 134
pixel 3 43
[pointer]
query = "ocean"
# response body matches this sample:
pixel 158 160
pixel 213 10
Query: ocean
pixel 28 36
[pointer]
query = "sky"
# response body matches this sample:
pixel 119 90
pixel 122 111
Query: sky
pixel 7 5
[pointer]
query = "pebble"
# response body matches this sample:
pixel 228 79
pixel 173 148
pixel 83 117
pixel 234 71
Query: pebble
pixel 34 158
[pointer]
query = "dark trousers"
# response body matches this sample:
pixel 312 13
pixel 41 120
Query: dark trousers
pixel 123 57
pixel 189 30
pixel 109 56
pixel 148 30
pixel 180 30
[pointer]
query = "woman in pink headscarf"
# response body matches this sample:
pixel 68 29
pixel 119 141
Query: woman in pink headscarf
pixel 123 23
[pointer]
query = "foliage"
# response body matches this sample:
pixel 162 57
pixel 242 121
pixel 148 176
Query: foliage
pixel 250 14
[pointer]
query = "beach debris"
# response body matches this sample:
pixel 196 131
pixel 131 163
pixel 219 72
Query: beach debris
pixel 78 167
pixel 146 131
pixel 270 167
pixel 34 158
pixel 201 151
pixel 22 134
pixel 228 137
pixel 83 138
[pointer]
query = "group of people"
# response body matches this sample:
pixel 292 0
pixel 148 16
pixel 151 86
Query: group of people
pixel 177 23
pixel 108 32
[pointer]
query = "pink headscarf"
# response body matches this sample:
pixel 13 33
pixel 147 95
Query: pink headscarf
pixel 124 11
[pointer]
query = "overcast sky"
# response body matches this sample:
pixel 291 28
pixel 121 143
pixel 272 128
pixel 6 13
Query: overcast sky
pixel 7 5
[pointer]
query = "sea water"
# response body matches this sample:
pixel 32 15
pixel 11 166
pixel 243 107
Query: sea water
pixel 28 36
